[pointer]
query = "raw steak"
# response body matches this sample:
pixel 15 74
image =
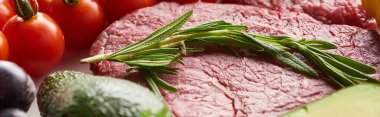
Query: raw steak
pixel 216 83
pixel 348 12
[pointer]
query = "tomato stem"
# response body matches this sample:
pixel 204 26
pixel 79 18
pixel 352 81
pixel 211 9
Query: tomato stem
pixel 71 2
pixel 25 10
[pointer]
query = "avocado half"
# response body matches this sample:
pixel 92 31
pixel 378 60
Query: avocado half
pixel 75 94
pixel 356 101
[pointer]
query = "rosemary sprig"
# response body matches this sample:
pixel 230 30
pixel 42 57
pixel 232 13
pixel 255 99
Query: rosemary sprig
pixel 169 44
pixel 341 70
pixel 153 40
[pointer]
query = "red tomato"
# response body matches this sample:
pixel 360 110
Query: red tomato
pixel 81 22
pixel 43 5
pixel 115 9
pixel 4 52
pixel 10 2
pixel 35 41
pixel 6 12
pixel 190 1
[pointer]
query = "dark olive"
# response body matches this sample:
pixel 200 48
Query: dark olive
pixel 13 112
pixel 17 89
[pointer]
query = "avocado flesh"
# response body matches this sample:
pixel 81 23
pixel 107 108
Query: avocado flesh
pixel 357 101
pixel 75 94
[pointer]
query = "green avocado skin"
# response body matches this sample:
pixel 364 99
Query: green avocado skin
pixel 361 100
pixel 75 94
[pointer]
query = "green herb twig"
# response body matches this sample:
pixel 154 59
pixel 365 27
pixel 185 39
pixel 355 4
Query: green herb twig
pixel 169 44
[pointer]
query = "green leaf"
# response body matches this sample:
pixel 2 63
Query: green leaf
pixel 196 30
pixel 152 85
pixel 163 70
pixel 164 85
pixel 153 53
pixel 273 38
pixel 284 57
pixel 228 41
pixel 212 26
pixel 357 65
pixel 153 56
pixel 169 51
pixel 152 60
pixel 153 40
pixel 340 73
pixel 194 50
pixel 159 69
pixel 319 44
pixel 231 51
pixel 335 81
pixel 215 23
pixel 159 81
pixel 197 42
pixel 148 63
pixel 337 76
pixel 349 71
pixel 204 26
pixel 292 61
pixel 130 68
pixel 232 27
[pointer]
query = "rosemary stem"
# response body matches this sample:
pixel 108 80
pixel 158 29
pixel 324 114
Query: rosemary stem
pixel 97 58
pixel 174 41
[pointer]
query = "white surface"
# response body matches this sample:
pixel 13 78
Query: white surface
pixel 70 61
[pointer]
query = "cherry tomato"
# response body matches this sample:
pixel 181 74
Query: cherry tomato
pixel 36 42
pixel 11 3
pixel 6 12
pixel 190 1
pixel 115 9
pixel 4 52
pixel 43 5
pixel 40 5
pixel 80 20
